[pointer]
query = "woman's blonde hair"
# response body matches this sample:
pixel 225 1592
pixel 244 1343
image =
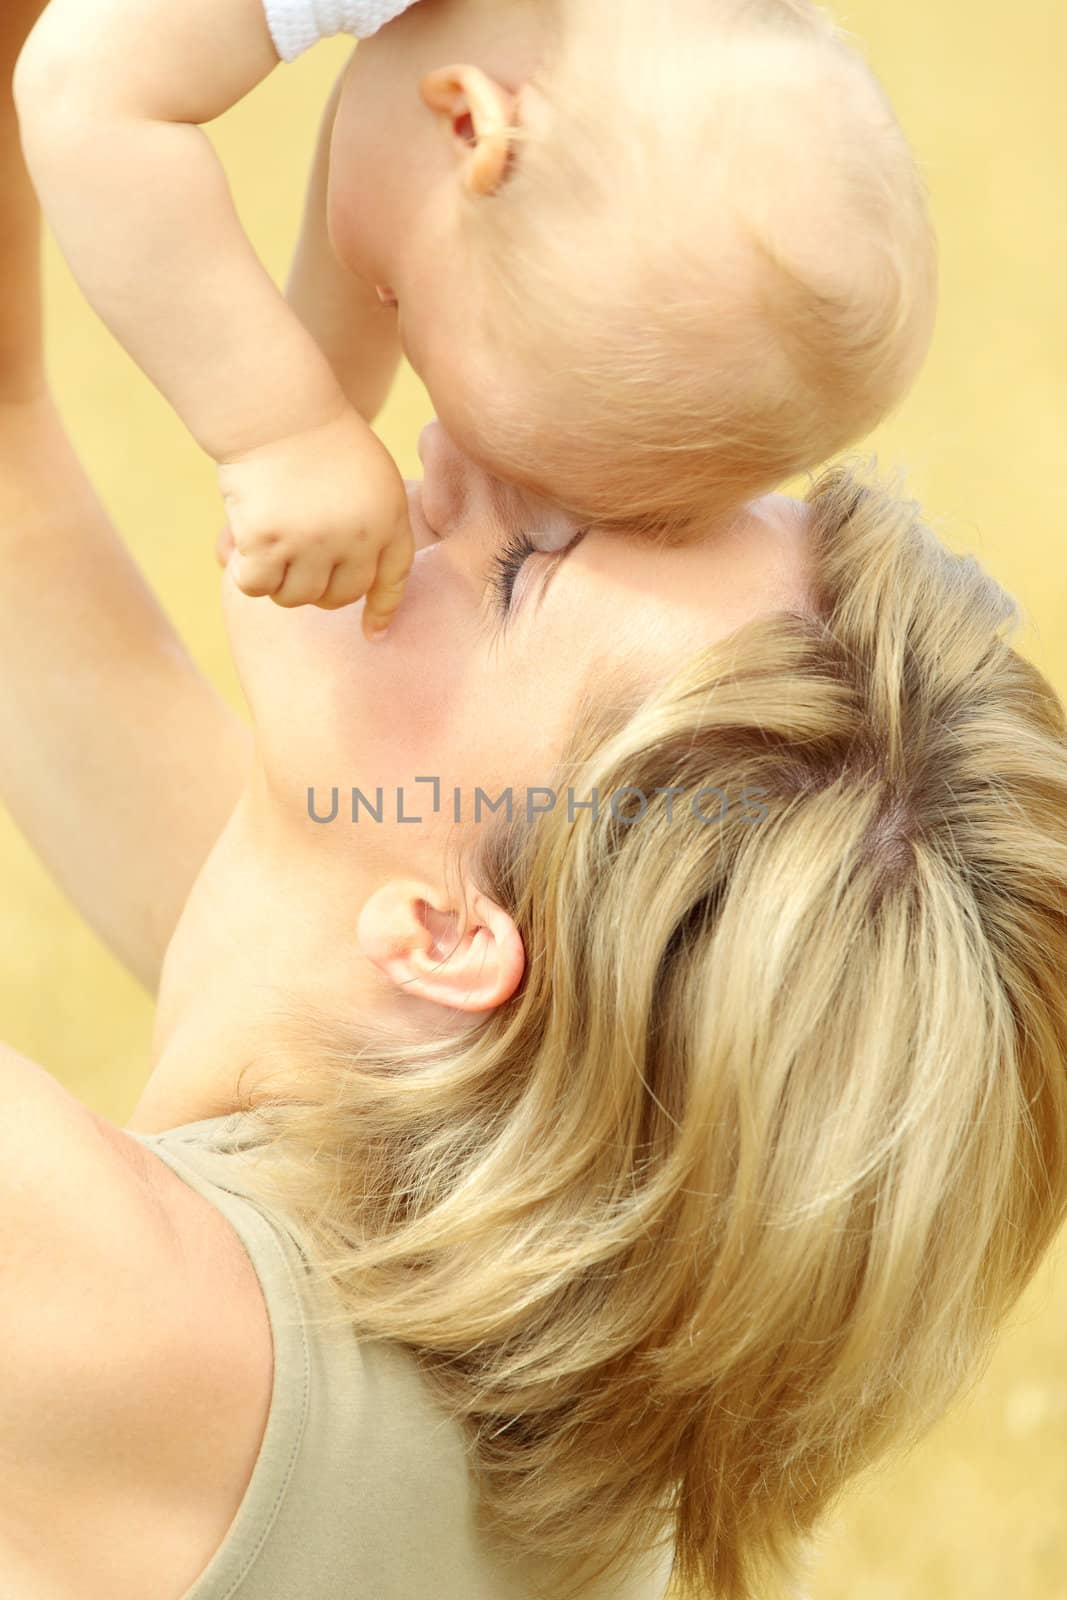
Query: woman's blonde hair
pixel 732 1196
pixel 711 268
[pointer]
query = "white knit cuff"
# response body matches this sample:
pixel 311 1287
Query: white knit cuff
pixel 295 25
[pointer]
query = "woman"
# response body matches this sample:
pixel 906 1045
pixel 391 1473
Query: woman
pixel 512 1198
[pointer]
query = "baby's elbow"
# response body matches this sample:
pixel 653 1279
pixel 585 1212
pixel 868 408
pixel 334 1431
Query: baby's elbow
pixel 41 65
pixel 48 83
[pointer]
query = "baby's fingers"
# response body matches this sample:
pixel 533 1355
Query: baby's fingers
pixel 306 580
pixel 260 574
pixel 394 566
pixel 350 581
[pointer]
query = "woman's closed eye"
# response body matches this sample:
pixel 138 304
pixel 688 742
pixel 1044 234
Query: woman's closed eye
pixel 506 565
pixel 508 562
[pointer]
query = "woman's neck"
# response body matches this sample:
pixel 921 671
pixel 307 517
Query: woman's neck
pixel 268 931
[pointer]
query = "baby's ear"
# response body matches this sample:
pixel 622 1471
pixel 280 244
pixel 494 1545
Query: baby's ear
pixel 480 113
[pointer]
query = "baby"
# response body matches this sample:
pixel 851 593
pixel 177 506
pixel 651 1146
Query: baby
pixel 682 258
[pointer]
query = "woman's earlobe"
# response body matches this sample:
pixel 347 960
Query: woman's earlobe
pixel 481 113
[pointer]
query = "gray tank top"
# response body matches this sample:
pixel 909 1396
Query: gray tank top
pixel 360 1490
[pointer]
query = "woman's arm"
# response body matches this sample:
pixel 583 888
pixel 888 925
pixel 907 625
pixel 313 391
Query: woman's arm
pixel 117 759
pixel 20 298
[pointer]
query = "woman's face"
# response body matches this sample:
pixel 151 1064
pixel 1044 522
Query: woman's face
pixel 476 685
pixel 473 689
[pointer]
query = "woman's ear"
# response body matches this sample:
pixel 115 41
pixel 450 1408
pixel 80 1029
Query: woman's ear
pixel 480 112
pixel 410 932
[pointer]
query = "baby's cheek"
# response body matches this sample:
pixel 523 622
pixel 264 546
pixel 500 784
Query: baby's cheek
pixel 358 197
pixel 471 411
pixel 351 227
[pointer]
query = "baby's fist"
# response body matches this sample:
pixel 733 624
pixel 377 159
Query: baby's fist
pixel 321 518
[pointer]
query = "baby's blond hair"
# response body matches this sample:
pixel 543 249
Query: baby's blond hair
pixel 714 270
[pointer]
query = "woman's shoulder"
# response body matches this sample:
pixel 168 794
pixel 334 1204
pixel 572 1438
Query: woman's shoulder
pixel 138 1356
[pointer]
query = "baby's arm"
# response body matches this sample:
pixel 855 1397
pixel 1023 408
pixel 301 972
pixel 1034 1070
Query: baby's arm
pixel 110 96
pixel 359 335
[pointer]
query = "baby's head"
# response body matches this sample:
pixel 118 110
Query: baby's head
pixel 688 256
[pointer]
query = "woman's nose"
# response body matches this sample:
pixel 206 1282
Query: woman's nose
pixel 424 535
pixel 446 478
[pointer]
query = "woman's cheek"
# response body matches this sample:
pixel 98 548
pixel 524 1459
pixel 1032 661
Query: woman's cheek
pixel 413 686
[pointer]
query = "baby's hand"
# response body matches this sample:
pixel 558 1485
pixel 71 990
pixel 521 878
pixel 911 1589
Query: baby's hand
pixel 321 518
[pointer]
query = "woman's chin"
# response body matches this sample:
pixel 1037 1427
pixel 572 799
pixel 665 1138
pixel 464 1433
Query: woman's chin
pixel 269 642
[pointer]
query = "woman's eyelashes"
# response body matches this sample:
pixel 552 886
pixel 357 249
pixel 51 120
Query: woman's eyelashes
pixel 506 565
pixel 509 560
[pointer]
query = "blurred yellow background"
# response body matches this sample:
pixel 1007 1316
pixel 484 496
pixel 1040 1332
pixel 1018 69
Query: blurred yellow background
pixel 979 1511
